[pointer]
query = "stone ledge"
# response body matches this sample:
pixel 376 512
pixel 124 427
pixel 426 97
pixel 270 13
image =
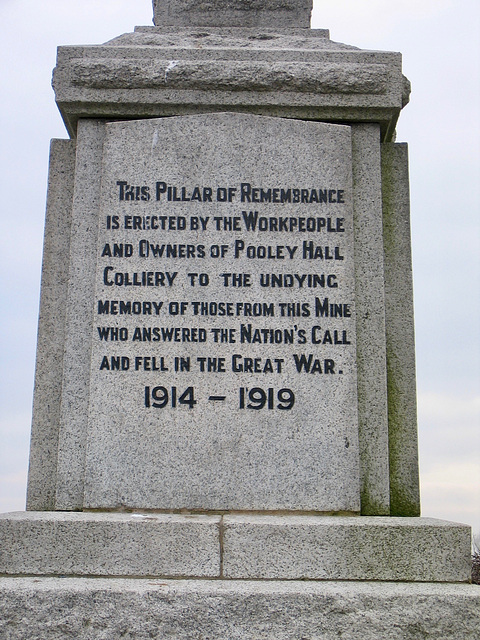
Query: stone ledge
pixel 109 544
pixel 242 13
pixel 246 546
pixel 231 75
pixel 346 548
pixel 87 609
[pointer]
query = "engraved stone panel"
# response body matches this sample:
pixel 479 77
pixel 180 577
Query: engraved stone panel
pixel 223 371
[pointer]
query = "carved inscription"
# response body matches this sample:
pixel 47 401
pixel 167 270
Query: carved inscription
pixel 239 239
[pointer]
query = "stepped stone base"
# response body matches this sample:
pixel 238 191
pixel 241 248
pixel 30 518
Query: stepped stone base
pixel 94 608
pixel 234 547
pixel 105 576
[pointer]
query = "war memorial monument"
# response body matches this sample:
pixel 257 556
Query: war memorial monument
pixel 224 439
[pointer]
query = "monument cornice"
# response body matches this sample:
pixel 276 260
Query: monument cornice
pixel 288 73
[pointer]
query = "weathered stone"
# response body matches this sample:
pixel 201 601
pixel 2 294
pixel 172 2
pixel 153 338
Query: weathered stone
pixel 51 328
pixel 253 547
pixel 78 318
pixel 362 548
pixel 109 544
pixel 87 609
pixel 233 75
pixel 370 317
pixel 298 450
pixel 232 13
pixel 288 73
pixel 374 466
pixel 400 340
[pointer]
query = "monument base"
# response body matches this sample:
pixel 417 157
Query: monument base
pixel 245 547
pixel 223 577
pixel 90 608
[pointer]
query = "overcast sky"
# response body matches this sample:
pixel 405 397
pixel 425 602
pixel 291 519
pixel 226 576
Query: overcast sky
pixel 439 40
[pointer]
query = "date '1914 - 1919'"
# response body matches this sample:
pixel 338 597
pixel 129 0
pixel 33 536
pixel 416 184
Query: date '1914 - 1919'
pixel 255 398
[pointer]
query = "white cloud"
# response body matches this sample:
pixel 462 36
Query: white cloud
pixel 449 438
pixel 14 432
pixel 376 19
pixel 446 408
pixel 14 498
pixel 449 427
pixel 452 492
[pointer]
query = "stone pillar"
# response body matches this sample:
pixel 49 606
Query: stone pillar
pixel 224 439
pixel 279 14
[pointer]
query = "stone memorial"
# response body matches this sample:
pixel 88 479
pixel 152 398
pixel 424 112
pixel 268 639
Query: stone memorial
pixel 224 439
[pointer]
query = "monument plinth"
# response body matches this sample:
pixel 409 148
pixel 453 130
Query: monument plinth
pixel 225 383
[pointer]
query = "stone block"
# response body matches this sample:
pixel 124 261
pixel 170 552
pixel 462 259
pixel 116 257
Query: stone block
pixel 51 328
pixel 91 609
pixel 364 548
pixel 215 454
pixel 400 339
pixel 237 13
pixel 370 319
pixel 109 544
pixel 78 316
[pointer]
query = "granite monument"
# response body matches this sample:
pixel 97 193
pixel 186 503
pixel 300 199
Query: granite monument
pixel 224 438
